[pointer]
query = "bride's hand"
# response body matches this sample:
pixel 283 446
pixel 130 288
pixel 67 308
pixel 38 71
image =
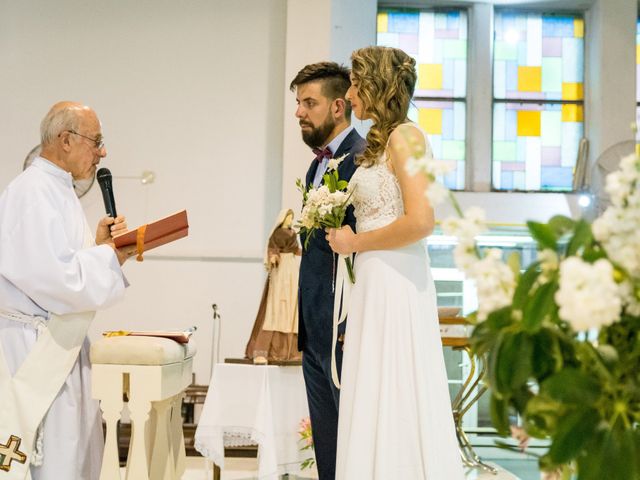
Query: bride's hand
pixel 341 240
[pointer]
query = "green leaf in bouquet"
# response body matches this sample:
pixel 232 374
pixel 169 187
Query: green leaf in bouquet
pixel 308 463
pixel 573 431
pixel 543 234
pixel 513 361
pixel 590 357
pixel 525 284
pixel 624 336
pixel 513 260
pixel 342 184
pixel 541 416
pixel 561 225
pixel 521 397
pixel 592 253
pixel 330 181
pixel 582 237
pixel 547 356
pixel 499 410
pixel 609 355
pixel 572 386
pixel 539 306
pixel 494 363
pixel 610 454
pixel 591 460
pixel 485 334
pixel 636 446
pixel 546 465
pixel 500 319
pixel 308 233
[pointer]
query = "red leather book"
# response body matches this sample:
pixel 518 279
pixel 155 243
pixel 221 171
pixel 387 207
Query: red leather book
pixel 157 233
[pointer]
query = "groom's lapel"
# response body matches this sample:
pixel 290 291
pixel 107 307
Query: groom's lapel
pixel 311 173
pixel 347 144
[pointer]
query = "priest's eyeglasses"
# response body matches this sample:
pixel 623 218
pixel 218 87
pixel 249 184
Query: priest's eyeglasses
pixel 98 141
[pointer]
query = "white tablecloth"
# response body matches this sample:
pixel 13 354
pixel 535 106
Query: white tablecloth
pixel 255 404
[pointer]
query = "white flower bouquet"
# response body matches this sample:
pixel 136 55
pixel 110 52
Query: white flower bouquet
pixel 325 206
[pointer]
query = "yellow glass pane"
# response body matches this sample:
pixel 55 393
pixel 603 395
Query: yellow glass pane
pixel 430 119
pixel 530 79
pixel 572 113
pixel 383 22
pixel 430 75
pixel 578 28
pixel 528 123
pixel 572 91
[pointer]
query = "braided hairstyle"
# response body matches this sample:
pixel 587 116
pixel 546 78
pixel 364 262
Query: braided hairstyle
pixel 385 78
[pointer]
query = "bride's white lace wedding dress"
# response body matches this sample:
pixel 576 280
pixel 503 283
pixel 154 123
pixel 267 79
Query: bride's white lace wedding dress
pixel 395 417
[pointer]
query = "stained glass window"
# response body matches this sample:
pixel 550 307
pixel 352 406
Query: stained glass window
pixel 438 42
pixel 538 89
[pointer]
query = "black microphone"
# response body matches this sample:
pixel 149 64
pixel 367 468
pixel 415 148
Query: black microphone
pixel 104 180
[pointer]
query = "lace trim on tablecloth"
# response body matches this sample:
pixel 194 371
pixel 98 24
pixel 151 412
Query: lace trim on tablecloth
pixel 208 438
pixel 234 437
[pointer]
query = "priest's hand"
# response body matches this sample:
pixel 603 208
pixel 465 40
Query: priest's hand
pixel 124 253
pixel 108 227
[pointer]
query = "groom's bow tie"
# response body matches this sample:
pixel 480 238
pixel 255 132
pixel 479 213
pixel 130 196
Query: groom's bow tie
pixel 324 153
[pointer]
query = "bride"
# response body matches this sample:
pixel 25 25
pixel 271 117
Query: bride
pixel 395 416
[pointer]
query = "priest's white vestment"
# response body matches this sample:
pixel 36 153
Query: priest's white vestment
pixel 45 270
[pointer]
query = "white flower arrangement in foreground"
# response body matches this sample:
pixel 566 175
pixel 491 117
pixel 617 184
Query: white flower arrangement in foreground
pixel 580 393
pixel 495 280
pixel 617 228
pixel 588 296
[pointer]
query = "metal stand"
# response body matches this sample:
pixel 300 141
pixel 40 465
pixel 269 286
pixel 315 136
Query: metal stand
pixel 215 346
pixel 462 403
pixel 469 393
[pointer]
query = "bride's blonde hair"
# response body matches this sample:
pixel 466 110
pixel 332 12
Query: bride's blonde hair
pixel 385 78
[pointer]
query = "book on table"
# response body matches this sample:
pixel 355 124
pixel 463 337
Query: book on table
pixel 154 234
pixel 180 336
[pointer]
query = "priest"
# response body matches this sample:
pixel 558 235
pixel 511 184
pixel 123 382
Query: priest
pixel 54 275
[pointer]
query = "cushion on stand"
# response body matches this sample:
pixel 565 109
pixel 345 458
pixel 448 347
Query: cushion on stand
pixel 139 350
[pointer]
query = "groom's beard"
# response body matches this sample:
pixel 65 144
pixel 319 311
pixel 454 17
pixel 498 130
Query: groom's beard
pixel 317 136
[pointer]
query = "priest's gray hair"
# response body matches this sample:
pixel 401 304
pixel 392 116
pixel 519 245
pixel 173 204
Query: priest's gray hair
pixel 59 119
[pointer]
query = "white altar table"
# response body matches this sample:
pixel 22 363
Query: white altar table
pixel 251 404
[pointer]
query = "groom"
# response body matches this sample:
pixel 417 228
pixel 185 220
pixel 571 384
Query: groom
pixel 325 121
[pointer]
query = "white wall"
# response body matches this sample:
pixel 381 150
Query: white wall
pixel 191 90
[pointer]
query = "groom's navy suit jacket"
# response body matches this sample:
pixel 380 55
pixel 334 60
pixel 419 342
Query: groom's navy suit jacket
pixel 317 268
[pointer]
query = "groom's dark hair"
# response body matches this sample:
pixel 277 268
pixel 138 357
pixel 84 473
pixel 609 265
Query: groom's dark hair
pixel 334 77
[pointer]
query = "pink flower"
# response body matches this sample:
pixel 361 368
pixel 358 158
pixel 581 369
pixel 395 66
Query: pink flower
pixel 521 436
pixel 305 426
